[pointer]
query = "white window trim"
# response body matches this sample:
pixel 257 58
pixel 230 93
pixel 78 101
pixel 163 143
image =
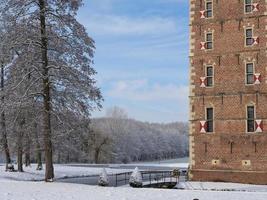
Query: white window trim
pixel 206 118
pixel 212 40
pixel 245 7
pixel 255 117
pixel 206 75
pixel 245 33
pixel 212 8
pixel 252 62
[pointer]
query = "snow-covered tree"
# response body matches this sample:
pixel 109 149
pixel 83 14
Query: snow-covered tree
pixel 53 48
pixel 136 178
pixel 5 60
pixel 103 178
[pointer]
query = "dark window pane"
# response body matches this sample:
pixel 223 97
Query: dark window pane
pixel 209 81
pixel 250 125
pixel 209 113
pixel 209 37
pixel 250 119
pixel 250 112
pixel 250 79
pixel 209 119
pixel 249 33
pixel 248 2
pixel 249 41
pixel 248 8
pixel 209 45
pixel 209 71
pixel 209 6
pixel 209 13
pixel 250 68
pixel 210 126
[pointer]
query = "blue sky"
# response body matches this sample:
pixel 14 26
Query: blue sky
pixel 141 56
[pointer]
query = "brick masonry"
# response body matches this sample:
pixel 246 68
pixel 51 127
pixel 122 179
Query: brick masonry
pixel 229 153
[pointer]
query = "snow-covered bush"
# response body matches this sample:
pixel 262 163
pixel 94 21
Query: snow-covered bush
pixel 10 167
pixel 39 167
pixel 103 178
pixel 136 178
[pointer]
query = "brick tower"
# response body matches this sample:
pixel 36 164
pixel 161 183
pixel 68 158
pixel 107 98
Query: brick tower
pixel 228 91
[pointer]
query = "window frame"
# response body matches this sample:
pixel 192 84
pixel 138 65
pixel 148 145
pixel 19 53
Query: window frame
pixel 208 10
pixel 248 5
pixel 246 38
pixel 211 41
pixel 209 76
pixel 249 74
pixel 209 120
pixel 250 119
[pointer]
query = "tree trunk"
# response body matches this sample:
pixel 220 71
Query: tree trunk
pixel 38 150
pixel 28 152
pixel 49 169
pixel 19 146
pixel 19 158
pixel 97 152
pixel 58 157
pixel 3 123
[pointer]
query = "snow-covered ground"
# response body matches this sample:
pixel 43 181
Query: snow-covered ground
pixel 61 171
pixel 17 186
pixel 14 190
pixel 217 186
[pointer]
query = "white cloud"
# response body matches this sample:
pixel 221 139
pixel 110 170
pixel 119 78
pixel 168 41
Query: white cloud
pixel 125 25
pixel 149 102
pixel 140 90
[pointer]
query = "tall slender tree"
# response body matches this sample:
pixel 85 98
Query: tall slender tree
pixel 5 59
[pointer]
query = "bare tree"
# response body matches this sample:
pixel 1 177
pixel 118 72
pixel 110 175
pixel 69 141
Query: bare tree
pixel 98 143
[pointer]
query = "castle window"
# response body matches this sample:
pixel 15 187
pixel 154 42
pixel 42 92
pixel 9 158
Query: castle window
pixel 209 41
pixel 209 9
pixel 250 119
pixel 209 76
pixel 249 73
pixel 249 37
pixel 248 6
pixel 209 115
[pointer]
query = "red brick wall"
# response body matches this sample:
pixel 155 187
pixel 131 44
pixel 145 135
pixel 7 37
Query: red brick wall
pixel 228 57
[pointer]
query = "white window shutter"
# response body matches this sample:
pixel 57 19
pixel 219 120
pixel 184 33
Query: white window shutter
pixel 256 40
pixel 257 78
pixel 202 14
pixel 259 126
pixel 203 82
pixel 202 45
pixel 255 7
pixel 203 126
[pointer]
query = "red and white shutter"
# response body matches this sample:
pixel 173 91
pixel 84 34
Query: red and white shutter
pixel 203 126
pixel 258 126
pixel 203 82
pixel 255 7
pixel 256 40
pixel 257 78
pixel 202 45
pixel 202 14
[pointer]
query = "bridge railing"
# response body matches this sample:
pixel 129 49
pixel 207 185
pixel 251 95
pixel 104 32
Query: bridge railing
pixel 148 177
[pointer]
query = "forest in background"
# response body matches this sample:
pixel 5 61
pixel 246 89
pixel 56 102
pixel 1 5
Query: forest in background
pixel 111 139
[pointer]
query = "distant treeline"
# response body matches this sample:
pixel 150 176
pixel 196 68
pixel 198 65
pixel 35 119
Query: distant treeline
pixel 118 139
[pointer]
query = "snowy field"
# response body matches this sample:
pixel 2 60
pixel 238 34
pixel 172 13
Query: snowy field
pixel 19 186
pixel 13 190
